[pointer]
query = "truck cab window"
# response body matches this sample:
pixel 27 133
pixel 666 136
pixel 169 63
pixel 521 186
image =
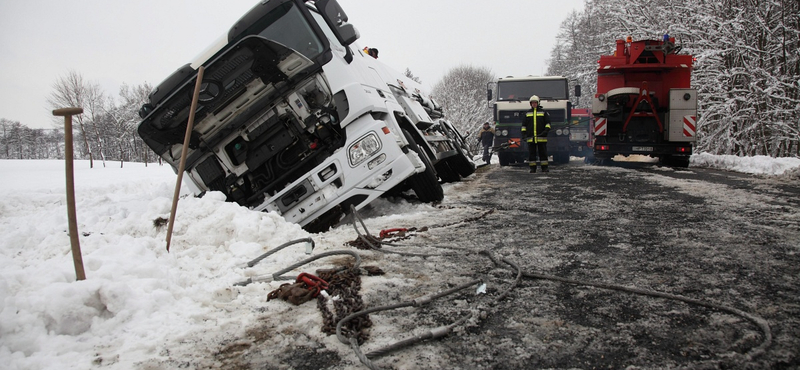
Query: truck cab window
pixel 292 30
pixel 326 30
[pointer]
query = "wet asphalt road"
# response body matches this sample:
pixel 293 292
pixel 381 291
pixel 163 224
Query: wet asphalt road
pixel 726 238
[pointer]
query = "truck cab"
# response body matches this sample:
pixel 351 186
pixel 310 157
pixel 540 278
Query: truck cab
pixel 510 105
pixel 290 119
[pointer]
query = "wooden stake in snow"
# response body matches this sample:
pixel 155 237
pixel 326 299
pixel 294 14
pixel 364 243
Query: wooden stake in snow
pixel 77 259
pixel 184 152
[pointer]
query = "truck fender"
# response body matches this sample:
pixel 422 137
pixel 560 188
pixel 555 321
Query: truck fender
pixel 356 109
pixel 412 130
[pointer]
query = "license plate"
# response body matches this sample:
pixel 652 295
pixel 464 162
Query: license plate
pixel 642 149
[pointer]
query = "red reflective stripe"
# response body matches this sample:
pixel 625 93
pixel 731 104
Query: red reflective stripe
pixel 689 126
pixel 600 127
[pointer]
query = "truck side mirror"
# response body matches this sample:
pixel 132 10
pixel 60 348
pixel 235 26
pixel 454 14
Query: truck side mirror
pixel 578 90
pixel 489 94
pixel 336 19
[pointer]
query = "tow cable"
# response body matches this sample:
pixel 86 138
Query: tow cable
pixel 369 241
pixel 374 243
pixel 434 333
pixel 760 322
pixel 279 275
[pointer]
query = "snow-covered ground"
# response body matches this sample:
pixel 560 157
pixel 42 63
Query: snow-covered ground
pixel 140 302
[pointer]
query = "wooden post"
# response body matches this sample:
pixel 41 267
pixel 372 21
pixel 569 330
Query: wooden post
pixel 77 259
pixel 184 152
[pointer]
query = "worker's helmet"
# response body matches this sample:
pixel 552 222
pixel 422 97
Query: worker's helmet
pixel 534 99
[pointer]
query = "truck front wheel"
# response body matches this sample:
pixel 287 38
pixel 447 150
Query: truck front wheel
pixel 561 157
pixel 503 158
pixel 674 161
pixel 425 184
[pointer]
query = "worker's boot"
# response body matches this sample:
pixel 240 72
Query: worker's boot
pixel 533 169
pixel 544 168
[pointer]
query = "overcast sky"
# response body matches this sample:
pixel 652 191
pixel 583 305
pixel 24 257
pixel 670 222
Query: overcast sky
pixel 113 42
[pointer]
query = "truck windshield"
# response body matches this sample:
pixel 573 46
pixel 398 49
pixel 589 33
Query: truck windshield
pixel 522 90
pixel 287 26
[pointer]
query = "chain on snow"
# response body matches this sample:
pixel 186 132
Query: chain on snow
pixel 344 288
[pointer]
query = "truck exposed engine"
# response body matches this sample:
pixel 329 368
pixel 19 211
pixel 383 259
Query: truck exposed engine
pixel 293 118
pixel 509 109
pixel 644 104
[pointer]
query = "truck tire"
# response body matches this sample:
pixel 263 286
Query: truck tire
pixel 673 161
pixel 503 158
pixel 446 172
pixel 561 157
pixel 461 163
pixel 425 184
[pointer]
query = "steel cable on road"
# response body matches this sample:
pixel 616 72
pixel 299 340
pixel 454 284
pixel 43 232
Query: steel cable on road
pixel 447 329
pixel 419 302
pixel 278 248
pixel 369 239
pixel 277 275
pixel 760 322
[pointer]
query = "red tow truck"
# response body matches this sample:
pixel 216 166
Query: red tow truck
pixel 644 103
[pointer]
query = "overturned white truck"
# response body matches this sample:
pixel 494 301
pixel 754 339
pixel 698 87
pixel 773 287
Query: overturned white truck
pixel 292 119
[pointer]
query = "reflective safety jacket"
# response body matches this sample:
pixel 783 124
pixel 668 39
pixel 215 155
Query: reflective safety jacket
pixel 536 126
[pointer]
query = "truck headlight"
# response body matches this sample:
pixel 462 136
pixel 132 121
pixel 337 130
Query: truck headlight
pixel 558 132
pixel 566 131
pixel 505 132
pixel 363 149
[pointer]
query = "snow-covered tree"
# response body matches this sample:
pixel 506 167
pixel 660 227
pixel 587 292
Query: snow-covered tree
pixel 121 120
pixel 410 75
pixel 462 95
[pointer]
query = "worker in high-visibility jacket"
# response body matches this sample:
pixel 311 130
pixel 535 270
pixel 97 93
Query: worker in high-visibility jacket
pixel 535 127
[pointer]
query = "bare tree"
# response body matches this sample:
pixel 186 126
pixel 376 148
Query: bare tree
pixel 72 90
pixel 95 102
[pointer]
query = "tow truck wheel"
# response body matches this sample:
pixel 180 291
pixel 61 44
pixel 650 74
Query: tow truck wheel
pixel 425 184
pixel 561 157
pixel 673 161
pixel 503 158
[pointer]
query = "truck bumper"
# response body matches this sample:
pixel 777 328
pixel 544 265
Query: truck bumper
pixel 336 183
pixel 608 150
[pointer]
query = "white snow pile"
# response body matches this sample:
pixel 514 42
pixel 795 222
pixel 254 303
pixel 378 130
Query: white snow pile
pixel 759 165
pixel 139 299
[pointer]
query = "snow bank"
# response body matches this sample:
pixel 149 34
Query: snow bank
pixel 761 165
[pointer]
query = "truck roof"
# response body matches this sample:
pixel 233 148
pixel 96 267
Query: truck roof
pixel 528 78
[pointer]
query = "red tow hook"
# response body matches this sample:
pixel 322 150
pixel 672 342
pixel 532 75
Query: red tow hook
pixel 388 233
pixel 314 283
